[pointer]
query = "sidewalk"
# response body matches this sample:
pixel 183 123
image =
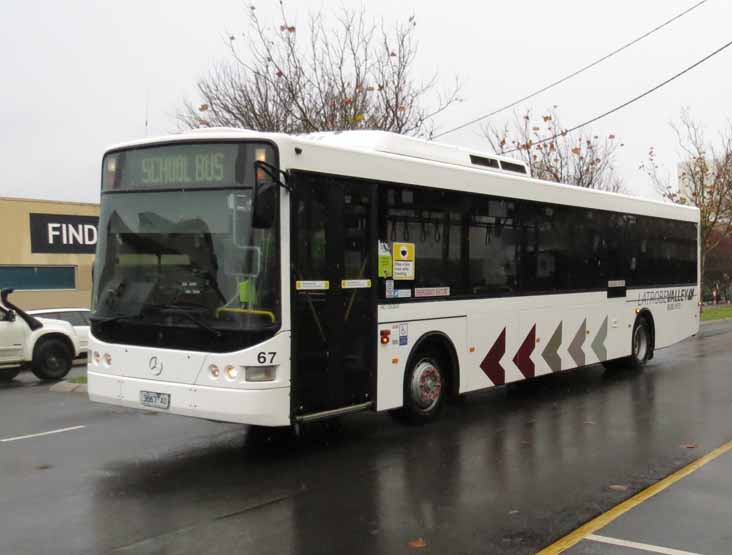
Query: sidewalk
pixel 691 516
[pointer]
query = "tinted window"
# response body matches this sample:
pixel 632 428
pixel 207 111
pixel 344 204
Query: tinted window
pixel 494 241
pixel 486 246
pixel 75 318
pixel 434 221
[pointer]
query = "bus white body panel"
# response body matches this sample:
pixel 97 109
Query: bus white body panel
pixel 570 331
pixel 186 377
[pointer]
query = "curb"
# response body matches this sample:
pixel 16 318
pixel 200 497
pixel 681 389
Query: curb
pixel 704 322
pixel 68 387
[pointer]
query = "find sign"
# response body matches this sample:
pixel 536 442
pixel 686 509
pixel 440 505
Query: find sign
pixel 63 234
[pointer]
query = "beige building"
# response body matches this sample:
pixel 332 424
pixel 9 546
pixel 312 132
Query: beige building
pixel 47 251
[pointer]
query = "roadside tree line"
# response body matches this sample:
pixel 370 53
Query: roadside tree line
pixel 344 71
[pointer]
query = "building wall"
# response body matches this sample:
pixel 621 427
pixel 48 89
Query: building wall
pixel 16 250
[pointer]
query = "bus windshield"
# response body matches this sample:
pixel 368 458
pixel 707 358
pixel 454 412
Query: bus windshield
pixel 184 268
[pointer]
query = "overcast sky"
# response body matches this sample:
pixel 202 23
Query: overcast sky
pixel 76 74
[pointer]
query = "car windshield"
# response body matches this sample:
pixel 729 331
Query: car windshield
pixel 184 262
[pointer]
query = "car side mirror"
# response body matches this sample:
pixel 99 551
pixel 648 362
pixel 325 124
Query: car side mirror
pixel 264 208
pixel 10 316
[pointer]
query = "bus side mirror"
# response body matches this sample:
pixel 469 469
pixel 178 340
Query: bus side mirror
pixel 264 205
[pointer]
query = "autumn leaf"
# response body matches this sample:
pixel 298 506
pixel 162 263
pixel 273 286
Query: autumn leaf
pixel 611 136
pixel 535 129
pixel 576 151
pixel 359 117
pixel 203 108
pixel 291 29
pixel 348 101
pixel 417 543
pixel 547 118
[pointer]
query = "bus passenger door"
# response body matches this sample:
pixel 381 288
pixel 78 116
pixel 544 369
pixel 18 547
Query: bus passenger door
pixel 334 293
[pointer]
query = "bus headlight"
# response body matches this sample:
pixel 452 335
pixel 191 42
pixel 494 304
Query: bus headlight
pixel 260 373
pixel 214 371
pixel 232 372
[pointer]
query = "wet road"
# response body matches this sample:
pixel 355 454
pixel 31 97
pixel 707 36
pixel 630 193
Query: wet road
pixel 505 471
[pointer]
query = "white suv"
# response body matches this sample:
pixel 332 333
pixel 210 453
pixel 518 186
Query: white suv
pixel 77 317
pixel 47 346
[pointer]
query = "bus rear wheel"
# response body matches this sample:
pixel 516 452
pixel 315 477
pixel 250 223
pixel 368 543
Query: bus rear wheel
pixel 641 348
pixel 425 388
pixel 641 345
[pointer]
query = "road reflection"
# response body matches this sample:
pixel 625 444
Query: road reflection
pixel 367 481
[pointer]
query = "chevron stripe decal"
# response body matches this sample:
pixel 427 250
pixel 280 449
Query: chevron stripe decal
pixel 598 344
pixel 550 353
pixel 523 356
pixel 575 348
pixel 491 364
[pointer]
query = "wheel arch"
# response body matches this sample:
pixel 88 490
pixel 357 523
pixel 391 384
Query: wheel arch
pixel 439 340
pixel 65 339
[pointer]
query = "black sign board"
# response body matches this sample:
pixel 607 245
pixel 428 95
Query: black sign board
pixel 61 234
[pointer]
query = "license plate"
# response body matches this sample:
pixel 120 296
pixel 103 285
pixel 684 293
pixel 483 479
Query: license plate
pixel 155 400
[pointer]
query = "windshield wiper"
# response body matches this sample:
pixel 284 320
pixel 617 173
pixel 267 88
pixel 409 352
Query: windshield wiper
pixel 115 318
pixel 183 310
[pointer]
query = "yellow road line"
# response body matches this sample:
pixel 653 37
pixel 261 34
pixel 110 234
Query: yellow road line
pixel 606 518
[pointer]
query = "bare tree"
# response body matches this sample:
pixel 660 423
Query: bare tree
pixel 577 158
pixel 342 72
pixel 704 180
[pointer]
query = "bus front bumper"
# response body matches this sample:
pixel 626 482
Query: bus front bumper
pixel 262 407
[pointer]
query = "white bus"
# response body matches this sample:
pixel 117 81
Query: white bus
pixel 270 279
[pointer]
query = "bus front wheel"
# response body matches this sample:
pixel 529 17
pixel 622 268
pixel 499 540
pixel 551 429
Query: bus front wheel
pixel 425 387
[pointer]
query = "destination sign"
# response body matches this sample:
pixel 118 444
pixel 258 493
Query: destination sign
pixel 183 165
pixel 169 170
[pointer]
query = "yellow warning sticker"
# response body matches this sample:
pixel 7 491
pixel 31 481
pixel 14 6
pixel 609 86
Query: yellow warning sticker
pixel 403 255
pixel 312 285
pixel 403 251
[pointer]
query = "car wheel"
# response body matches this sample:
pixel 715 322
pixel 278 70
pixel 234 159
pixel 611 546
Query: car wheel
pixel 8 374
pixel 52 360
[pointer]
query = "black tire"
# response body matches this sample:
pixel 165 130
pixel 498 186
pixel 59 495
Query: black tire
pixel 8 374
pixel 51 360
pixel 641 344
pixel 641 348
pixel 425 387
